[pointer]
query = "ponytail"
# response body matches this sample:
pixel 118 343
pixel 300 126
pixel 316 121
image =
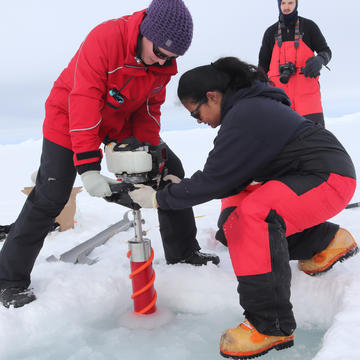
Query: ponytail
pixel 225 74
pixel 240 73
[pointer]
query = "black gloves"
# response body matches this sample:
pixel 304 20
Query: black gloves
pixel 313 66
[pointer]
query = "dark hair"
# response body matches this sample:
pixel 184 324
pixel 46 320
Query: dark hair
pixel 227 73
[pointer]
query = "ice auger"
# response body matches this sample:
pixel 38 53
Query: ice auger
pixel 136 163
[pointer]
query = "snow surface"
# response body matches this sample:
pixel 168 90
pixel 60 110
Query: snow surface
pixel 85 312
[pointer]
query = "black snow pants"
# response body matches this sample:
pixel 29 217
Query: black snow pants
pixel 52 190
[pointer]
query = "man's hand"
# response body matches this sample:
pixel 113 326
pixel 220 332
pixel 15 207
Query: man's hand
pixel 313 66
pixel 145 196
pixel 96 184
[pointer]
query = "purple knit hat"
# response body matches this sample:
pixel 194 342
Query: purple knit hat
pixel 168 24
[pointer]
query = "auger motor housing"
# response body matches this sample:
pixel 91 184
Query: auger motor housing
pixel 130 166
pixel 134 162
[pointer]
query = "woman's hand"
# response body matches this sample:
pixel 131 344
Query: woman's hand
pixel 145 196
pixel 174 179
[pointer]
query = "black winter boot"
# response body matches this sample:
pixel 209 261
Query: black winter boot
pixel 16 297
pixel 199 258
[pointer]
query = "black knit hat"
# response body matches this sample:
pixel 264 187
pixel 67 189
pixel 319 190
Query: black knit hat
pixel 288 18
pixel 279 3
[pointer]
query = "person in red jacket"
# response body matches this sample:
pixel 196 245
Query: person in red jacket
pixel 287 56
pixel 112 89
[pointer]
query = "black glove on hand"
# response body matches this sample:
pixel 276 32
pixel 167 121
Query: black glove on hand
pixel 313 66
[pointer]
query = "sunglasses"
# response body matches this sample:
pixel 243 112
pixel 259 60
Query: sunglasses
pixel 158 53
pixel 195 114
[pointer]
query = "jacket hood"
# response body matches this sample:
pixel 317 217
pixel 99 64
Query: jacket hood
pixel 259 89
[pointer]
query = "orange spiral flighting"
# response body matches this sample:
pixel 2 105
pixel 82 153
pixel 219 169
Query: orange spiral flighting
pixel 143 277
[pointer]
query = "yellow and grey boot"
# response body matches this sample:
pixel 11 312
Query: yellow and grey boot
pixel 245 342
pixel 341 247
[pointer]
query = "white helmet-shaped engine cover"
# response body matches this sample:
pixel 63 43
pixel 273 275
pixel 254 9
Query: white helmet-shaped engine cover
pixel 131 162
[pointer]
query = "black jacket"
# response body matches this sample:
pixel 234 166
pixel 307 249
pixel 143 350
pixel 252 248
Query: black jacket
pixel 311 36
pixel 260 138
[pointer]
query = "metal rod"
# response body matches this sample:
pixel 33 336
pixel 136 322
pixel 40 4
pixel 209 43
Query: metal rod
pixel 138 226
pixel 353 205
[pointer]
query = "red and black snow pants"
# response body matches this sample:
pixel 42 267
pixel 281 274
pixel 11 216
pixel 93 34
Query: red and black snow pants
pixel 265 226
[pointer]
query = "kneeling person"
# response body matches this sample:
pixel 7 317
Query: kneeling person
pixel 286 178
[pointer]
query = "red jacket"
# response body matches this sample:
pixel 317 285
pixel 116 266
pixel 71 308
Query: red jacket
pixel 80 111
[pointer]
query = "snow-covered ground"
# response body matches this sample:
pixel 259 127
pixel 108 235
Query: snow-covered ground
pixel 85 312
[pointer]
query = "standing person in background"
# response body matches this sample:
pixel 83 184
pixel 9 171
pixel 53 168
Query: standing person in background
pixel 112 89
pixel 287 56
pixel 282 178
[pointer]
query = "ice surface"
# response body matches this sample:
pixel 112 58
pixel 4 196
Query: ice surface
pixel 84 312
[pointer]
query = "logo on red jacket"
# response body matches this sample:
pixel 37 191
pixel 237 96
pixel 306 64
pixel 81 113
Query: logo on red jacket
pixel 157 89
